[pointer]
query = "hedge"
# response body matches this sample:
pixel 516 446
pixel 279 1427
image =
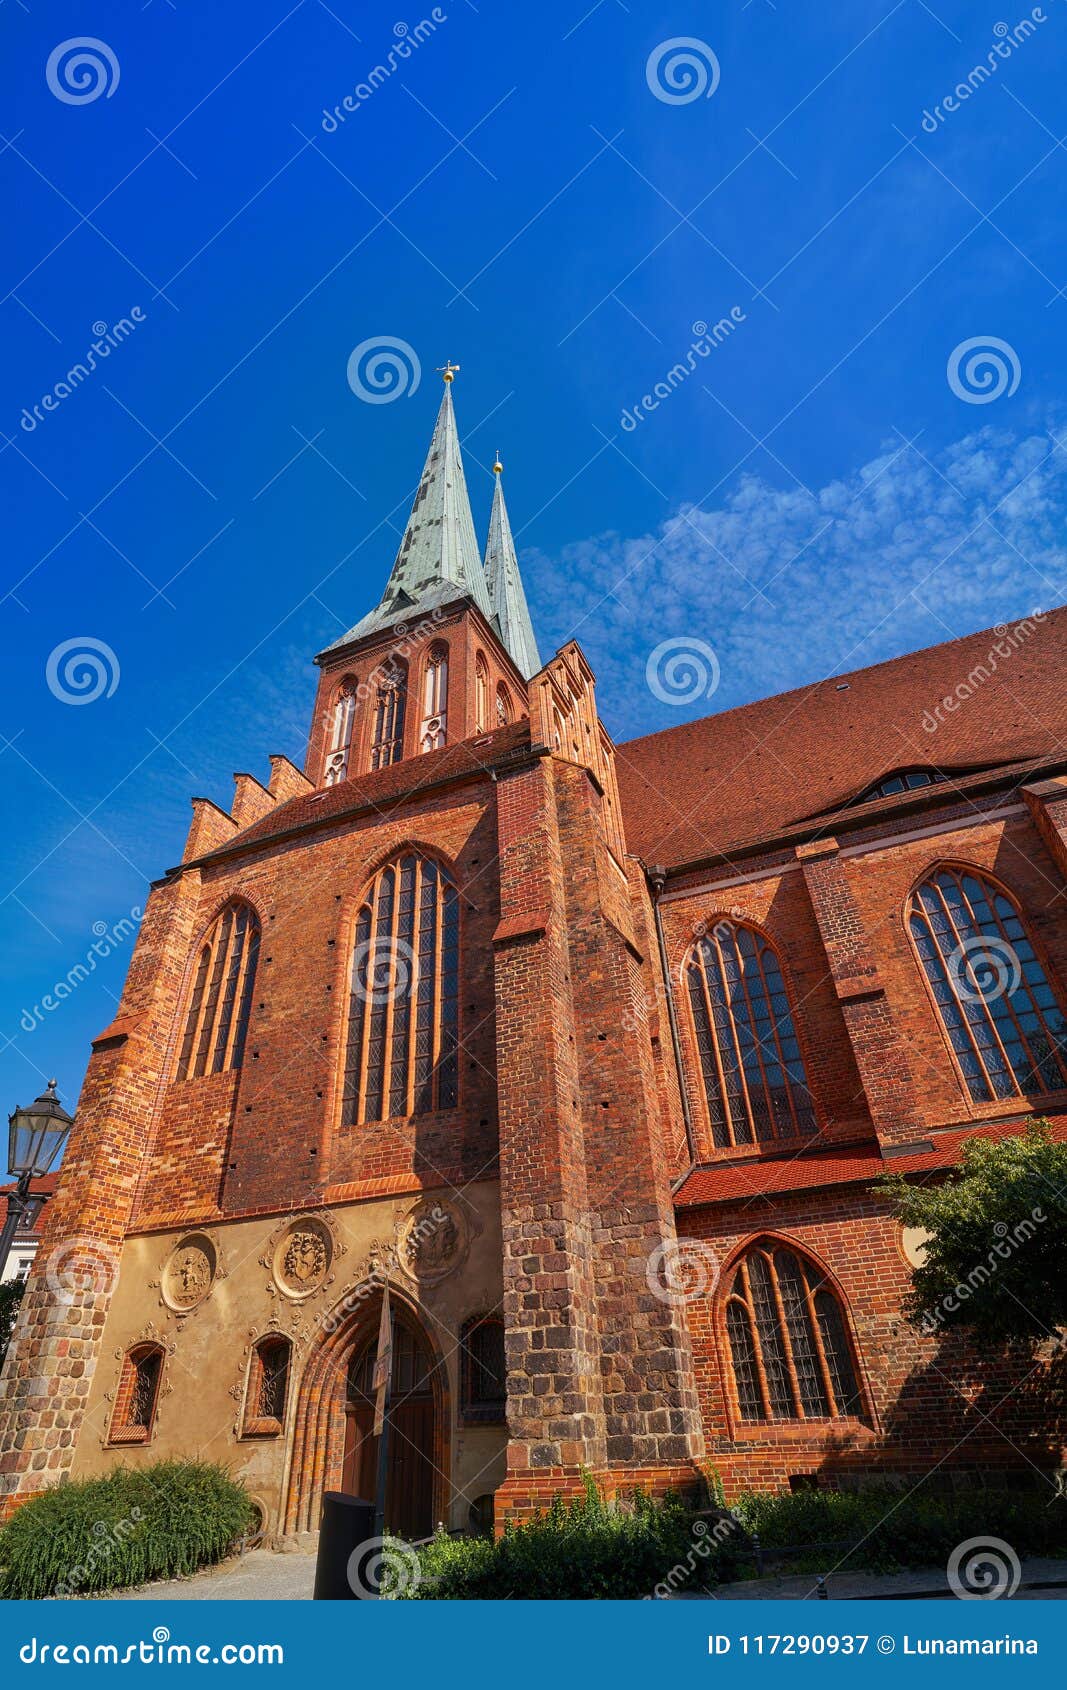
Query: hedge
pixel 134 1524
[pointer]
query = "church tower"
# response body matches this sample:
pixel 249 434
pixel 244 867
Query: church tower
pixel 395 1015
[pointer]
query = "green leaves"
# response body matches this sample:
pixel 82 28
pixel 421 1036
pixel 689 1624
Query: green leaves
pixel 133 1525
pixel 995 1260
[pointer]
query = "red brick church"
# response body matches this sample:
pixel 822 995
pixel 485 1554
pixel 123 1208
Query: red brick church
pixel 592 1051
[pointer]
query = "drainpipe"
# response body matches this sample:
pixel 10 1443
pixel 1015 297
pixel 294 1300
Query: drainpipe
pixel 657 877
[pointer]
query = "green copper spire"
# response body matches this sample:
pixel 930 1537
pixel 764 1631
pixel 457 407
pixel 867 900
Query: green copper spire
pixel 438 556
pixel 506 594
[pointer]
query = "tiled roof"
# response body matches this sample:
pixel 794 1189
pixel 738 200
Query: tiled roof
pixel 846 1165
pixel 713 785
pixel 384 786
pixel 43 1187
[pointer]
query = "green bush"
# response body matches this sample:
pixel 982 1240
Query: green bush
pixel 582 1550
pixel 135 1524
pixel 885 1529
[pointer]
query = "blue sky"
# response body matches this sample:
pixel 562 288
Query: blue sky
pixel 214 502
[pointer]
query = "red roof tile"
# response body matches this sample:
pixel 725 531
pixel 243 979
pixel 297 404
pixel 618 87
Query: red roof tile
pixel 706 787
pixel 43 1187
pixel 846 1165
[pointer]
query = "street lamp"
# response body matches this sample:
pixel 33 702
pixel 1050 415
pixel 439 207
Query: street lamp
pixel 36 1137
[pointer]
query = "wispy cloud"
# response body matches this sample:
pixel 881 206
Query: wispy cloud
pixel 916 547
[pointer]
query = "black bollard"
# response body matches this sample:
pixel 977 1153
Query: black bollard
pixel 347 1522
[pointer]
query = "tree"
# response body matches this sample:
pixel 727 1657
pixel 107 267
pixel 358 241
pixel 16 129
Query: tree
pixel 995 1258
pixel 10 1297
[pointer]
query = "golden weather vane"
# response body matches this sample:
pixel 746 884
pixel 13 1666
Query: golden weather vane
pixel 448 370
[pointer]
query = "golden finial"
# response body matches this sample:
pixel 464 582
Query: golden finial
pixel 498 468
pixel 448 370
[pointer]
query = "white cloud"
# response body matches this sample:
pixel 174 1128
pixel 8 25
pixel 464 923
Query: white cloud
pixel 914 548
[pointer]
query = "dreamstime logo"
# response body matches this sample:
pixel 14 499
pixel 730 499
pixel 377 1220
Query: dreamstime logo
pixel 81 670
pixel 1008 1239
pixel 81 70
pixel 106 939
pixel 384 969
pixel 383 1566
pixel 682 70
pixel 983 1569
pixel 706 338
pixel 103 344
pixel 682 670
pixel 383 369
pixel 1007 642
pixel 682 1270
pixel 107 1535
pixel 983 969
pixel 983 369
pixel 407 39
pixel 81 1266
pixel 1006 40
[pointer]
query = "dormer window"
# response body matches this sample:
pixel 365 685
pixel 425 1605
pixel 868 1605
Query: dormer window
pixel 904 780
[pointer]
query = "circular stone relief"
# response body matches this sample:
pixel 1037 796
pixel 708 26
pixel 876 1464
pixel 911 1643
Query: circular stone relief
pixel 189 1273
pixel 431 1241
pixel 302 1258
pixel 913 1242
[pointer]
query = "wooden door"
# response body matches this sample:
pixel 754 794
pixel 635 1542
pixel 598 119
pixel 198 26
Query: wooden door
pixel 409 1490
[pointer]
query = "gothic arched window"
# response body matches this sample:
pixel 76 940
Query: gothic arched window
pixel 1001 1015
pixel 503 705
pixel 137 1395
pixel 434 700
pixel 750 1058
pixel 268 1387
pixel 339 745
pixel 216 1022
pixel 390 702
pixel 403 1026
pixel 481 694
pixel 484 1369
pixel 789 1343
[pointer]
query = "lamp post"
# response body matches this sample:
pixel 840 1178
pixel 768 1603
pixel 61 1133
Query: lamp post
pixel 36 1137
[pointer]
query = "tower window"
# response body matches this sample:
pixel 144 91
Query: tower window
pixel 402 1047
pixel 389 710
pixel 137 1395
pixel 217 1019
pixel 481 693
pixel 484 1370
pixel 504 709
pixel 753 1072
pixel 788 1338
pixel 1002 1017
pixel 340 741
pixel 435 700
pixel 268 1385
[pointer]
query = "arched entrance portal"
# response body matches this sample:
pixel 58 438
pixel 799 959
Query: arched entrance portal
pixel 409 1494
pixel 332 1447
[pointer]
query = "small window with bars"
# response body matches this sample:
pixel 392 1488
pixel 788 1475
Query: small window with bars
pixel 484 1369
pixel 750 1061
pixel 402 1048
pixel 789 1344
pixel 996 1003
pixel 137 1396
pixel 268 1387
pixel 216 1022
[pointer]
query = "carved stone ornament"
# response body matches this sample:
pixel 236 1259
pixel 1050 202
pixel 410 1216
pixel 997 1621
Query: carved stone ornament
pixel 189 1272
pixel 432 1240
pixel 300 1256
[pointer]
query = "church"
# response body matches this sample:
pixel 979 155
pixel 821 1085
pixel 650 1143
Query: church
pixel 593 1053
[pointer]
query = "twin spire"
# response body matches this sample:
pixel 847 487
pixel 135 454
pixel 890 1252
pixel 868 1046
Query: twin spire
pixel 438 556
